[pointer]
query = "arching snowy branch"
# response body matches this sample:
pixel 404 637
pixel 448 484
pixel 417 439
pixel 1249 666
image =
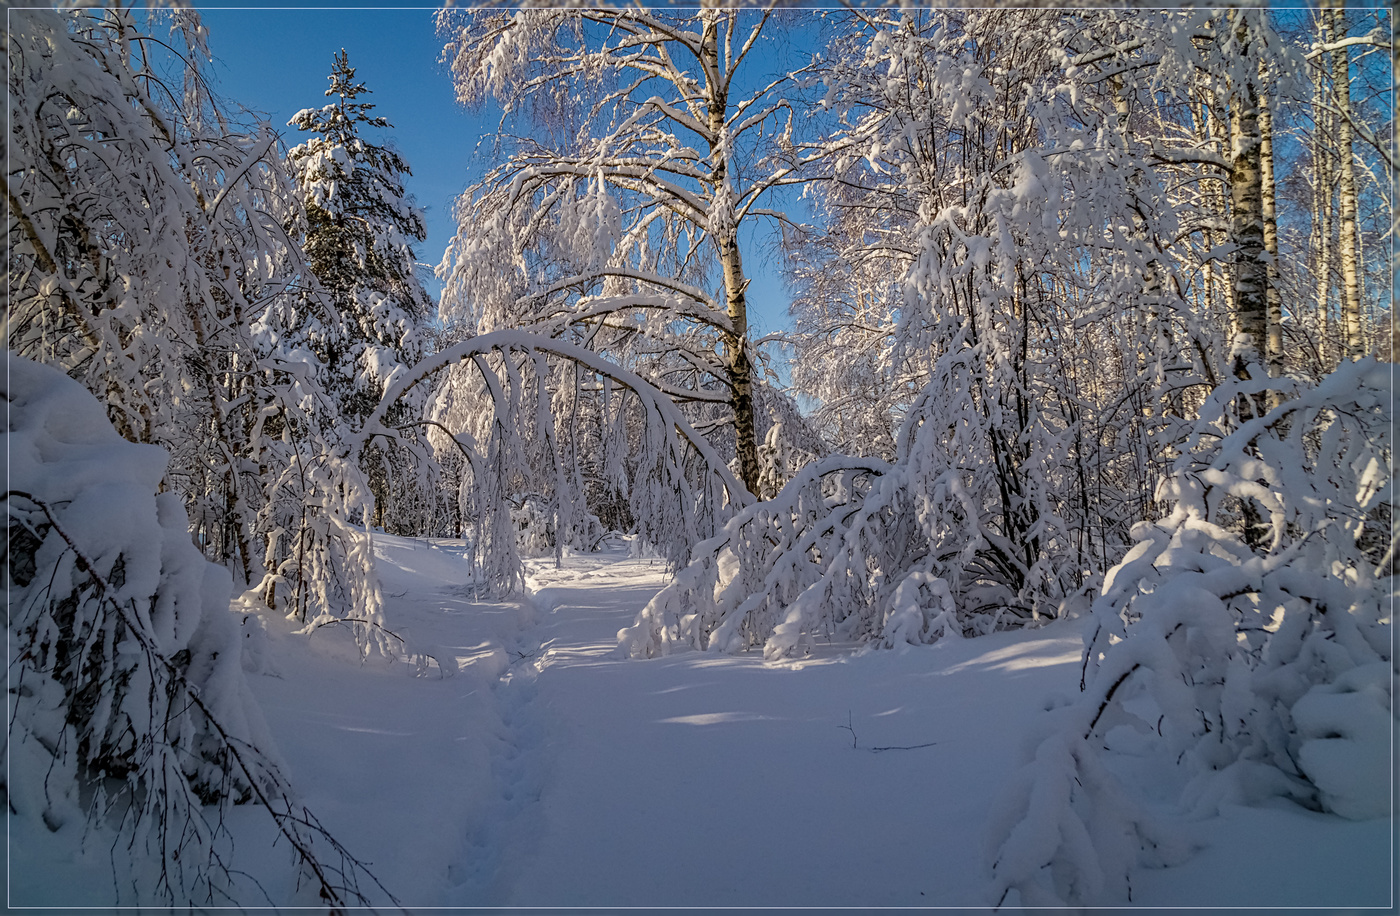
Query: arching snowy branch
pixel 679 490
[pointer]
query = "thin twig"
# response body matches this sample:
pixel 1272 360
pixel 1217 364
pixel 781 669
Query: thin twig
pixel 902 747
pixel 850 728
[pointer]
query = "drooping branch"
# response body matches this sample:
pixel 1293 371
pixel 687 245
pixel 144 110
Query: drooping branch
pixel 504 341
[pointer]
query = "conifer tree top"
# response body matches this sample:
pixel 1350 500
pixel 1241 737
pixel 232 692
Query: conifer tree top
pixel 339 122
pixel 342 173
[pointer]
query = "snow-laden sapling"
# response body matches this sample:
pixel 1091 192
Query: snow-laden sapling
pixel 839 553
pixel 1242 647
pixel 131 724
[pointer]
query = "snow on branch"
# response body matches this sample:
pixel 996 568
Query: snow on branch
pixel 131 717
pixel 1246 638
pixel 680 489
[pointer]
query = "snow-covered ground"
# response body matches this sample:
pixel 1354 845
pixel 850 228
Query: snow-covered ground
pixel 522 763
pixel 548 772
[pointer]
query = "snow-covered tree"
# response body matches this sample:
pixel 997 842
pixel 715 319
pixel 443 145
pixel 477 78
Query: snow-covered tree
pixel 358 237
pixel 150 261
pixel 1210 64
pixel 644 144
pixel 519 440
pixel 846 281
pixel 130 722
pixel 1344 114
pixel 1046 340
pixel 992 162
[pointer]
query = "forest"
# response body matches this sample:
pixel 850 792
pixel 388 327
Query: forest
pixel 1091 332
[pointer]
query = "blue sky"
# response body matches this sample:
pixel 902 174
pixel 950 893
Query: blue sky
pixel 275 62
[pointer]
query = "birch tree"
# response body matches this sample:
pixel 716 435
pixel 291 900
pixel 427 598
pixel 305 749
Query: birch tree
pixel 645 145
pixel 1322 195
pixel 1249 261
pixel 1346 192
pixel 1268 199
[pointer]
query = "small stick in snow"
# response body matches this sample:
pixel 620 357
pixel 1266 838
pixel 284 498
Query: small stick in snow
pixel 850 728
pixel 855 743
pixel 901 747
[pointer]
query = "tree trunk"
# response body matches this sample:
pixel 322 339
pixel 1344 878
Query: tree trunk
pixel 1346 203
pixel 1274 316
pixel 738 364
pixel 1322 202
pixel 1251 279
pixel 1219 291
pixel 724 231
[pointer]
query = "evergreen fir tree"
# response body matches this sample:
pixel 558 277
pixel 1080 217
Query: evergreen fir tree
pixel 360 229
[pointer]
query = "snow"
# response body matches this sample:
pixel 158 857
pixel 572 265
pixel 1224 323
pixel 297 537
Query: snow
pixel 1018 327
pixel 1279 857
pixel 696 780
pixel 1344 726
pixel 533 766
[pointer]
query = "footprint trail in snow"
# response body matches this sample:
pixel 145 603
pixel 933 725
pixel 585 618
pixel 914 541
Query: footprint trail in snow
pixel 700 780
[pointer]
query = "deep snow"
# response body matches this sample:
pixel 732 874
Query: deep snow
pixel 528 765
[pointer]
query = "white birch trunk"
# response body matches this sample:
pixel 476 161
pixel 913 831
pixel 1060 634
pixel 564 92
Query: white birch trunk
pixel 1274 316
pixel 1346 202
pixel 724 229
pixel 1322 201
pixel 1247 217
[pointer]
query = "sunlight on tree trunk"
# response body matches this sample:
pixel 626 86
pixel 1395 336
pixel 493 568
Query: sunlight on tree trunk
pixel 1247 230
pixel 1346 193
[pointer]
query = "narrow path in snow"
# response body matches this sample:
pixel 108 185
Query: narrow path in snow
pixel 576 611
pixel 697 780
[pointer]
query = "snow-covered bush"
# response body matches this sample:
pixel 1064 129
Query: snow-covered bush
pixel 1244 643
pixel 842 552
pixel 839 553
pixel 956 536
pixel 760 571
pixel 129 709
pixel 106 586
